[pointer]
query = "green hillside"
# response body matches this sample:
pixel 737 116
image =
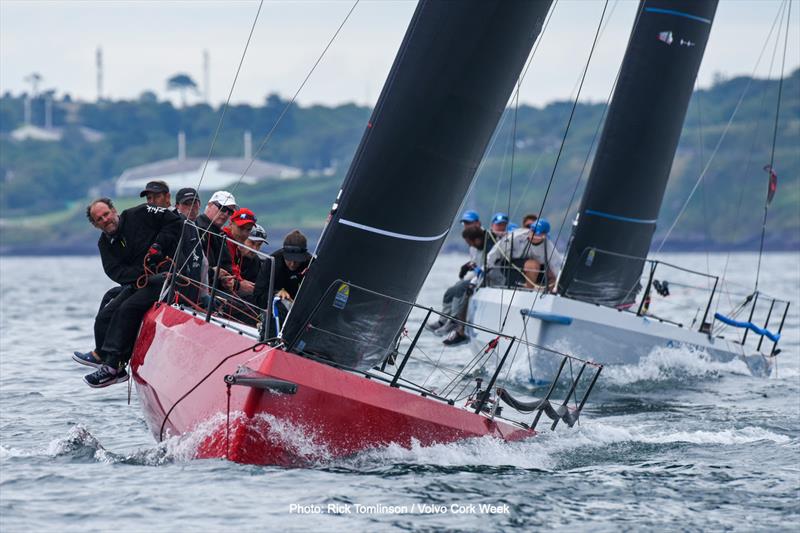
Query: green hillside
pixel 45 185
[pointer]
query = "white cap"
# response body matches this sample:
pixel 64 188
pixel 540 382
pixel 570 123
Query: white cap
pixel 223 198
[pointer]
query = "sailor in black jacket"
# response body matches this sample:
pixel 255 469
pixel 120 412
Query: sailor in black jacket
pixel 142 234
pixel 218 210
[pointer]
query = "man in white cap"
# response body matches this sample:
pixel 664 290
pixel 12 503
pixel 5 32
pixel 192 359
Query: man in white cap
pixel 219 209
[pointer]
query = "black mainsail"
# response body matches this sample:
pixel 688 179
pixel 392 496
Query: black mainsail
pixel 618 213
pixel 444 96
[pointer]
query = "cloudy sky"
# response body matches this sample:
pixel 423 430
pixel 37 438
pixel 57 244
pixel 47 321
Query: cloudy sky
pixel 145 42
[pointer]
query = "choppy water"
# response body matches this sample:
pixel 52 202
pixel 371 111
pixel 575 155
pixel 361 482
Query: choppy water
pixel 674 442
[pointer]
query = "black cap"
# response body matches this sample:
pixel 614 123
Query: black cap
pixel 295 247
pixel 185 194
pixel 154 186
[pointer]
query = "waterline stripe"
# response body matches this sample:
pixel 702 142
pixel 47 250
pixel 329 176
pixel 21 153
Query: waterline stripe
pixel 617 217
pixel 677 14
pixel 391 233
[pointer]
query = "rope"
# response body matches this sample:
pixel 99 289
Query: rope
pixel 288 106
pixel 563 141
pixel 230 93
pixel 771 167
pixel 714 153
pixel 226 358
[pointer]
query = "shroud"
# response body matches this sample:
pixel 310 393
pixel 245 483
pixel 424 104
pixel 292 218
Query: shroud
pixel 446 91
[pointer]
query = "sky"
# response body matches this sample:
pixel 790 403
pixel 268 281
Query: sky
pixel 145 42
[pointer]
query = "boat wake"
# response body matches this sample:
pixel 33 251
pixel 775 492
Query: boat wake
pixel 549 451
pixel 559 450
pixel 672 365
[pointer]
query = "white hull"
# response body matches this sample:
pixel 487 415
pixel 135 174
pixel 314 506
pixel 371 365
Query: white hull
pixel 606 335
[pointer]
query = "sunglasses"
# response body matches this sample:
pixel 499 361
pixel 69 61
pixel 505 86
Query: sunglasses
pixel 224 208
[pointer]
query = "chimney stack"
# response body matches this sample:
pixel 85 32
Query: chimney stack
pixel 181 145
pixel 248 145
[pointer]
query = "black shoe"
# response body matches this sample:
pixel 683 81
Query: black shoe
pixel 455 338
pixel 87 358
pixel 105 376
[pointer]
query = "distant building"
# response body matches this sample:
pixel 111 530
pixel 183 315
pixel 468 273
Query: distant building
pixel 219 173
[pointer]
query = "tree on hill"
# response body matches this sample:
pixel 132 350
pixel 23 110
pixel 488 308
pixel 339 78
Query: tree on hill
pixel 182 83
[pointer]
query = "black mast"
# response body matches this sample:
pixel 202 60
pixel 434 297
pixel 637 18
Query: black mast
pixel 620 206
pixel 445 93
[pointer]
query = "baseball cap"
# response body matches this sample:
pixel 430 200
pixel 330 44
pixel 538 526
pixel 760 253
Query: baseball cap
pixel 540 227
pixel 223 198
pixel 154 186
pixel 186 194
pixel 295 247
pixel 470 216
pixel 500 218
pixel 512 227
pixel 258 234
pixel 243 216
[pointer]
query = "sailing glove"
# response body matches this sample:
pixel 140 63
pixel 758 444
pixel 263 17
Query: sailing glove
pixel 466 267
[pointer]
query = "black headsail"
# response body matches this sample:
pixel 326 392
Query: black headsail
pixel 617 217
pixel 444 96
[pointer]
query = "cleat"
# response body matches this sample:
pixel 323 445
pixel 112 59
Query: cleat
pixel 105 376
pixel 87 358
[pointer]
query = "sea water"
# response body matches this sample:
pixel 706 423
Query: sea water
pixel 674 442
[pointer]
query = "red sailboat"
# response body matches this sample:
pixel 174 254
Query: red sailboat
pixel 333 382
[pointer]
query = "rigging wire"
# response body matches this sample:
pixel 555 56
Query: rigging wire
pixel 708 164
pixel 521 197
pixel 774 142
pixel 596 133
pixel 563 141
pixel 291 102
pixel 499 128
pixel 230 93
pixel 756 136
pixel 697 96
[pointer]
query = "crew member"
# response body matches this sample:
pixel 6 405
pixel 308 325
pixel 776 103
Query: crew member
pixel 192 263
pixel 140 236
pixel 251 262
pixel 291 263
pixel 456 297
pixel 220 207
pixel 530 252
pixel 157 193
pixel 237 230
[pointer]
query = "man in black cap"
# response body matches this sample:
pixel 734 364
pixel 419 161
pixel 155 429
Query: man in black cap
pixel 187 203
pixel 157 193
pixel 190 257
pixel 291 263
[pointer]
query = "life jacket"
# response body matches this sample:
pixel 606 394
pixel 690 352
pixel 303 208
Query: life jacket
pixel 236 254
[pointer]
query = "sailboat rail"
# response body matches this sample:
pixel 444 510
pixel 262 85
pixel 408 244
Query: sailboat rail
pixel 406 347
pixel 210 297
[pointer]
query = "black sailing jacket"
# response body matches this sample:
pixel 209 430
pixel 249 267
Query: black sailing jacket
pixel 123 253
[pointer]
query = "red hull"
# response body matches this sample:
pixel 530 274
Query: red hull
pixel 332 413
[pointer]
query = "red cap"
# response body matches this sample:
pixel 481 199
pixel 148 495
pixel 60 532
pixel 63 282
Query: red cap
pixel 243 216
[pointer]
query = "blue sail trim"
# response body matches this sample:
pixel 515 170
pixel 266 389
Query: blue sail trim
pixel 677 14
pixel 619 218
pixel 774 337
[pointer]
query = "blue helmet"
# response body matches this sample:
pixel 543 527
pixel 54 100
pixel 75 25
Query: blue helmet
pixel 500 218
pixel 540 227
pixel 512 227
pixel 470 216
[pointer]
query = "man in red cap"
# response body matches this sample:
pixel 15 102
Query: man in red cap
pixel 238 230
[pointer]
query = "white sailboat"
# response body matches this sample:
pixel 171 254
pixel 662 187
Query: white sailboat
pixel 605 289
